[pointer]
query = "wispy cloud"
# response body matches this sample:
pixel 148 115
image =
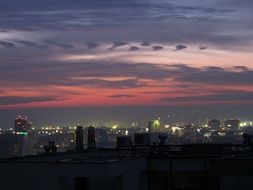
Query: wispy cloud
pixel 7 44
pixel 117 44
pixel 30 44
pixel 157 48
pixel 121 96
pixel 134 48
pixel 217 97
pixel 59 44
pixel 8 100
pixel 180 47
pixel 92 45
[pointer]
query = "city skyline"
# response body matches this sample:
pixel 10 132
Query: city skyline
pixel 100 116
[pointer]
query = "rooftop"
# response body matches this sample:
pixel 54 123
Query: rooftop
pixel 108 155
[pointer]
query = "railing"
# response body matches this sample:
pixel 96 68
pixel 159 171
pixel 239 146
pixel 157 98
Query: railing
pixel 190 150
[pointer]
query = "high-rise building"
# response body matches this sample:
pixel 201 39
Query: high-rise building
pixel 79 138
pixel 21 125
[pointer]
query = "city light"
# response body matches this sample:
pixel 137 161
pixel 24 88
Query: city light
pixel 21 133
pixel 115 126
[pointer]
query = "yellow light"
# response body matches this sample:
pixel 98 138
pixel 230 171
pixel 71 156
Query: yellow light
pixel 156 122
pixel 115 126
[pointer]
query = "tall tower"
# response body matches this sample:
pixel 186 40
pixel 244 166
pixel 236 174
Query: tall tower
pixel 79 137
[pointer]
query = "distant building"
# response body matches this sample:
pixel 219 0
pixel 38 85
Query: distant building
pixel 101 137
pixel 149 126
pixel 21 125
pixel 232 124
pixel 12 145
pixel 124 141
pixel 214 124
pixel 154 126
pixel 142 139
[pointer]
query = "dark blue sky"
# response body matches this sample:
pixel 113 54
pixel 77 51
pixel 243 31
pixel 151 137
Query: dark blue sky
pixel 176 54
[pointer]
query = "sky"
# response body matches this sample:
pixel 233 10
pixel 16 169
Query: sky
pixel 84 55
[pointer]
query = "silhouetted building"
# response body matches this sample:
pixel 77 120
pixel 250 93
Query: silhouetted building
pixel 91 137
pixel 232 124
pixel 122 141
pixel 142 139
pixel 174 167
pixel 101 137
pixel 79 138
pixel 50 148
pixel 12 145
pixel 154 126
pixel 214 124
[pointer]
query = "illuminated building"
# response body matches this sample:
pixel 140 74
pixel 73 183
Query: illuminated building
pixel 157 125
pixel 154 126
pixel 246 124
pixel 177 131
pixel 21 125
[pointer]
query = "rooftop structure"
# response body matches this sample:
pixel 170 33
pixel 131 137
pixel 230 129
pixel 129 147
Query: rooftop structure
pixel 210 166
